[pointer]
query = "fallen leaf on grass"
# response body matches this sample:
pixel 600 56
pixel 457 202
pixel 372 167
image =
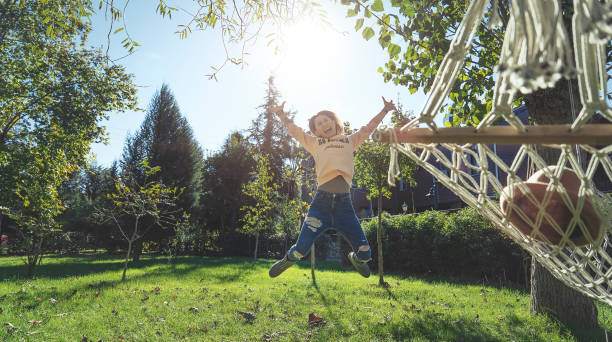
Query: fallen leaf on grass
pixel 315 320
pixel 34 322
pixel 485 300
pixel 10 327
pixel 37 299
pixel 61 315
pixel 96 294
pixel 268 337
pixel 249 316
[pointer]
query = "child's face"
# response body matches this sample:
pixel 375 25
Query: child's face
pixel 324 126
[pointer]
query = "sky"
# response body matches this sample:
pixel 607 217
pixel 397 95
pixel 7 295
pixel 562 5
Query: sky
pixel 319 68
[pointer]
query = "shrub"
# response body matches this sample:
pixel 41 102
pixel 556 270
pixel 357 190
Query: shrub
pixel 460 244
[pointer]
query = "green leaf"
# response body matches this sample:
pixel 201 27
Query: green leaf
pixel 394 50
pixel 358 24
pixel 119 30
pixel 378 6
pixel 367 33
pixel 350 13
pixel 413 90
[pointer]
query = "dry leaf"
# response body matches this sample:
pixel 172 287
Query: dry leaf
pixel 269 337
pixel 37 299
pixel 96 294
pixel 250 317
pixel 34 322
pixel 485 300
pixel 10 327
pixel 315 320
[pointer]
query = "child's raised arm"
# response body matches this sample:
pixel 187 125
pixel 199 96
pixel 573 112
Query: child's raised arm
pixel 296 132
pixel 365 131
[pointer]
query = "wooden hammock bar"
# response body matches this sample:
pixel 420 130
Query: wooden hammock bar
pixel 597 135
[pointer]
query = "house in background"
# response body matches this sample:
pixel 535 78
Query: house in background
pixel 431 194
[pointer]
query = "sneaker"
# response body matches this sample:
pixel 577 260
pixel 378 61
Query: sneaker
pixel 361 267
pixel 280 267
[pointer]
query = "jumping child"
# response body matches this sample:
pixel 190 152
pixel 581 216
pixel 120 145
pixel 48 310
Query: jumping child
pixel 331 207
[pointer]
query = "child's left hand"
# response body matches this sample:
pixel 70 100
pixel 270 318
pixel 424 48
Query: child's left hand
pixel 389 106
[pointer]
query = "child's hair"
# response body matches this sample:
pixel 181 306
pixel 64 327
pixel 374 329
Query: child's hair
pixel 329 114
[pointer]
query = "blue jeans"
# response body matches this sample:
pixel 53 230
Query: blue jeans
pixel 331 210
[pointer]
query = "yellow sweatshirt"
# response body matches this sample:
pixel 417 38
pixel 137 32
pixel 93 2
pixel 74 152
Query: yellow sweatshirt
pixel 333 156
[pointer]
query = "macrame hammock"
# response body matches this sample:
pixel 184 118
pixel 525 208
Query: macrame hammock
pixel 556 214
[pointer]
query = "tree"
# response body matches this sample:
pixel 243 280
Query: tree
pixel 53 96
pixel 371 171
pixel 263 193
pixel 417 38
pixel 81 194
pixel 269 136
pixel 165 139
pixel 223 175
pixel 150 200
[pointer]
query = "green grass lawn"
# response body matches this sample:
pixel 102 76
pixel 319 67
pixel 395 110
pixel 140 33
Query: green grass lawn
pixel 201 299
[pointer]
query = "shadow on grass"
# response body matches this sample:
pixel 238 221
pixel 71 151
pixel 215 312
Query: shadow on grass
pixel 61 267
pixel 436 326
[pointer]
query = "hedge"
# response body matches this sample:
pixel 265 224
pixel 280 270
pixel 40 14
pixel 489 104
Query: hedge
pixel 461 244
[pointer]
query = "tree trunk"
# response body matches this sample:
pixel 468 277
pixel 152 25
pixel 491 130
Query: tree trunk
pixel 381 280
pixel 256 245
pixel 551 297
pixel 548 294
pixel 34 257
pixel 127 259
pixel 137 250
pixel 312 264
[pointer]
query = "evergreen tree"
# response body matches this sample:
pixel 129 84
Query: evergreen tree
pixel 166 140
pixel 223 175
pixel 269 135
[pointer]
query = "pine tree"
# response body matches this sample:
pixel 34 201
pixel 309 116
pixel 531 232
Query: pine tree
pixel 269 135
pixel 223 175
pixel 166 140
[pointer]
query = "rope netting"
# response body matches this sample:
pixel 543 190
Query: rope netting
pixel 553 210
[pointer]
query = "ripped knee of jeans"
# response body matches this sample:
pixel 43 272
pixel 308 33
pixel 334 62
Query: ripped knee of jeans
pixel 313 223
pixel 295 255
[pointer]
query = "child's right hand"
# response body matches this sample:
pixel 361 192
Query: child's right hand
pixel 278 110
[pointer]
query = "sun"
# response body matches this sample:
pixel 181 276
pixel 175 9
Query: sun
pixel 307 54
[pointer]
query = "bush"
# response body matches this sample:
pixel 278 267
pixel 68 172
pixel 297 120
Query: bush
pixel 462 244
